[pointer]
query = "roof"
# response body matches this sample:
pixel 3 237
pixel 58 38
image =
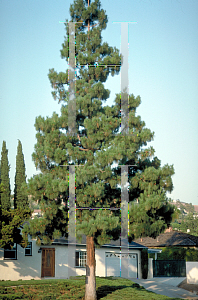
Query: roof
pixel 196 208
pixel 154 250
pixel 112 244
pixel 167 239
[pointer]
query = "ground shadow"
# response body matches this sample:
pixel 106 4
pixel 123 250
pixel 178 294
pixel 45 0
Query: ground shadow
pixel 105 290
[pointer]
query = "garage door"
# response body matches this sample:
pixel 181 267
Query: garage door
pixel 112 263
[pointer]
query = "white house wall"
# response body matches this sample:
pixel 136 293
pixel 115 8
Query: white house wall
pixel 192 272
pixel 25 267
pixel 61 262
pixel 100 262
pixel 29 267
pixel 100 255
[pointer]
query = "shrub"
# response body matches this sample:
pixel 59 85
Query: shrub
pixel 177 253
pixel 144 263
pixel 12 296
pixel 191 255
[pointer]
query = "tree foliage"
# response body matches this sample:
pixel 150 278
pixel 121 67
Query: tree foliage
pixel 5 180
pixel 97 148
pixel 187 219
pixel 20 200
pixel 10 219
pixel 177 253
pixel 189 224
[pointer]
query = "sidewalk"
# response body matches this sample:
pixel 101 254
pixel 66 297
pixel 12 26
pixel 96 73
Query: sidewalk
pixel 166 286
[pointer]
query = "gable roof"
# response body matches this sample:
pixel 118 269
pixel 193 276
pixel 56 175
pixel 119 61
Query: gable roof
pixel 112 244
pixel 167 239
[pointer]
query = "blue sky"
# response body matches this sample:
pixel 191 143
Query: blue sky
pixel 163 70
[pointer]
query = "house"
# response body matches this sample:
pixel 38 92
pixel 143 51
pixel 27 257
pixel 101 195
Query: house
pixel 36 262
pixel 196 208
pixel 170 238
pixel 36 213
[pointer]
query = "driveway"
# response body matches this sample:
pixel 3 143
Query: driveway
pixel 166 286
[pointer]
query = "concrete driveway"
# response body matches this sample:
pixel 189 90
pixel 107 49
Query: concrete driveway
pixel 166 286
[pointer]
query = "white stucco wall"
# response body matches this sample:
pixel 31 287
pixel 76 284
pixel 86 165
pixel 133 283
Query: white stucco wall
pixel 25 267
pixel 61 262
pixel 150 268
pixel 29 267
pixel 192 272
pixel 100 260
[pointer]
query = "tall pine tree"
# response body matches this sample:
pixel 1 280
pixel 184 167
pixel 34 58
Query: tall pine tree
pixel 97 149
pixel 20 199
pixel 5 180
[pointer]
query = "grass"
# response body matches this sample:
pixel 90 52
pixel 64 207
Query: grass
pixel 108 288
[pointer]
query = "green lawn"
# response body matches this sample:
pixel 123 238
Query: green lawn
pixel 107 288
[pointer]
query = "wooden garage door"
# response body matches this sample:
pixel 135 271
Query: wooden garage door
pixel 48 262
pixel 112 262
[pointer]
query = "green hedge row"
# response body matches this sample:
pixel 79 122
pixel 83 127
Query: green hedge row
pixel 176 253
pixel 12 296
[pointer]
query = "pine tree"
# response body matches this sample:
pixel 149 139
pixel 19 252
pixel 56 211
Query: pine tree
pixel 20 200
pixel 5 180
pixel 97 149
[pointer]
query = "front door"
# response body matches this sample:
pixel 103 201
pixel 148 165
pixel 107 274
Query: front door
pixel 48 262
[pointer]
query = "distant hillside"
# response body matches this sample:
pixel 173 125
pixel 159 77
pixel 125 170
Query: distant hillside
pixel 187 221
pixel 185 208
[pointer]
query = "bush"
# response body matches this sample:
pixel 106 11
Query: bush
pixel 177 253
pixel 191 255
pixel 12 296
pixel 49 297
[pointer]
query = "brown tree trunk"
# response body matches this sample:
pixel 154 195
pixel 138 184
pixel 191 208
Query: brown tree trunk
pixel 90 281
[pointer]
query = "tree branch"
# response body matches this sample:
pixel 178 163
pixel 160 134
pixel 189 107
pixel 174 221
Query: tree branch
pixel 79 138
pixel 84 149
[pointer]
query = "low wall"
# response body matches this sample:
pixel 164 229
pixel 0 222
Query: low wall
pixel 150 268
pixel 192 272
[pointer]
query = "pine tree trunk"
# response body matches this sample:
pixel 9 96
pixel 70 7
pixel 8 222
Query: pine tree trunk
pixel 90 283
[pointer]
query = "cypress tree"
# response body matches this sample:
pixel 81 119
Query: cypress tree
pixel 5 180
pixel 1 184
pixel 97 149
pixel 20 200
pixel 1 190
pixel 10 219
